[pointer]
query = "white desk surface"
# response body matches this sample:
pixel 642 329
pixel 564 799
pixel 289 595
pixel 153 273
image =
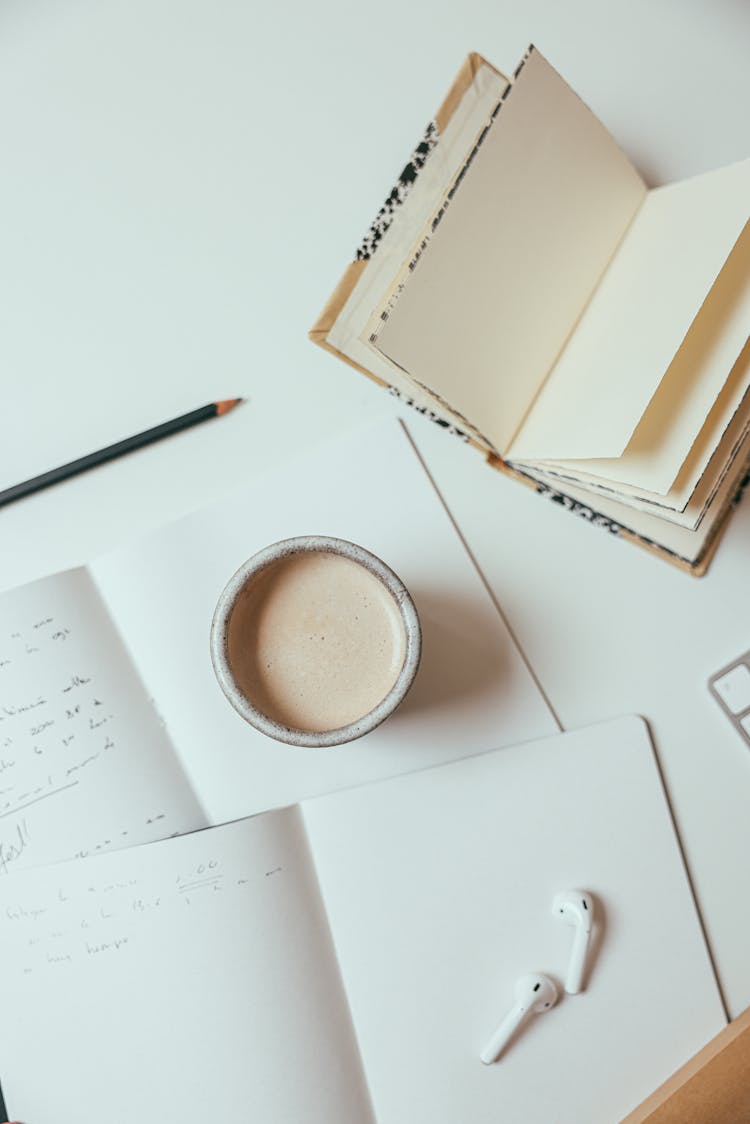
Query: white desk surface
pixel 183 184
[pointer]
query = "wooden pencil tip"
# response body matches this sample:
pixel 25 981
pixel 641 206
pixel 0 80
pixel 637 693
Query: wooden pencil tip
pixel 227 405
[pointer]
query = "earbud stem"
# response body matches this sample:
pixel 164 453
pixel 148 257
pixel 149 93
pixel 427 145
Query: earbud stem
pixel 577 963
pixel 503 1034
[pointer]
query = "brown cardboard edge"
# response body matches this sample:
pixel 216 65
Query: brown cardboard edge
pixel 336 302
pixel 322 326
pixel 691 1071
pixel 695 569
pixel 461 83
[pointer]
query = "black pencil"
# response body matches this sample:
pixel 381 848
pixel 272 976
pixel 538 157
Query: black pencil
pixel 101 456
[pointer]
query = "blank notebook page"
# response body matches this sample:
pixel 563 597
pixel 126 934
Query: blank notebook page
pixel 439 890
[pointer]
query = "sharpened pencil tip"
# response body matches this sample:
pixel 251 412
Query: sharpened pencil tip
pixel 227 405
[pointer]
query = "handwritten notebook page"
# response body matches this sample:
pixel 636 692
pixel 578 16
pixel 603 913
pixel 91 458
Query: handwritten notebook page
pixel 473 690
pixel 203 982
pixel 442 896
pixel 85 763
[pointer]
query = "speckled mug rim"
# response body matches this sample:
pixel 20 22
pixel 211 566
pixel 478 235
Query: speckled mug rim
pixel 220 625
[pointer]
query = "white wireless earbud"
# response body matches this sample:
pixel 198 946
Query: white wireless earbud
pixel 576 908
pixel 534 993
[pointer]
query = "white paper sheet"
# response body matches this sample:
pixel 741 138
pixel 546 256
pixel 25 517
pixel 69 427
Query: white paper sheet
pixel 460 866
pixel 684 542
pixel 473 689
pixel 192 980
pixel 644 450
pixel 724 472
pixel 85 764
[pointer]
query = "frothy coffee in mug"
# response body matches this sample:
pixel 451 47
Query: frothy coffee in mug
pixel 315 641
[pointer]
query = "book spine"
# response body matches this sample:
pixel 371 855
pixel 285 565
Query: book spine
pixel 399 192
pixel 426 412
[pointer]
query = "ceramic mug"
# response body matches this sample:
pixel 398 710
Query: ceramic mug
pixel 315 641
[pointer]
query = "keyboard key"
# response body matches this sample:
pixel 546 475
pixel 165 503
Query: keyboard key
pixel 734 688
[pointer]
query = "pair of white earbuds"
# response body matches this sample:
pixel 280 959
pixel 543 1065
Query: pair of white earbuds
pixel 535 994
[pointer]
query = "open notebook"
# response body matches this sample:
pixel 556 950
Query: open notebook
pixel 113 729
pixel 587 333
pixel 345 960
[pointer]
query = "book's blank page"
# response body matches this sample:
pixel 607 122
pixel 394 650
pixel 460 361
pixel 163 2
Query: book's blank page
pixel 687 502
pixel 85 762
pixel 682 541
pixel 638 319
pixel 439 891
pixel 472 690
pixel 203 982
pixel 665 429
pixel 516 255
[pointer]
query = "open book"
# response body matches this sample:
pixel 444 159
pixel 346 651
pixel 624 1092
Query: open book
pixel 113 729
pixel 586 333
pixel 345 960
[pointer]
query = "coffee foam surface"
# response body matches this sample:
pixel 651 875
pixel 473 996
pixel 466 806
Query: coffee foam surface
pixel 315 641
